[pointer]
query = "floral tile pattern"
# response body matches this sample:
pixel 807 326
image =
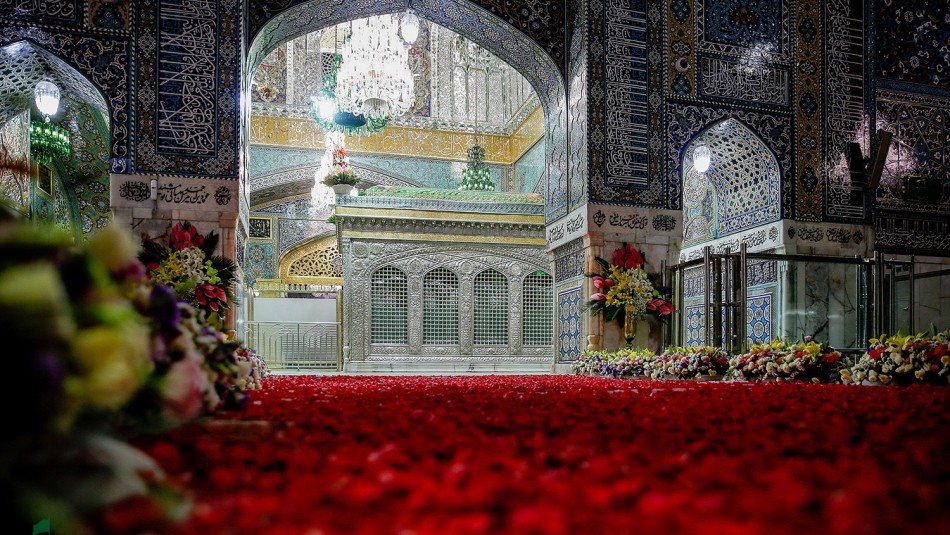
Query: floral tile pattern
pixel 259 262
pixel 912 41
pixel 569 344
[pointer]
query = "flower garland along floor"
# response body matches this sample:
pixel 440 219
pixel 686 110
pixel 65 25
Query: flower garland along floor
pixel 560 454
pixel 889 360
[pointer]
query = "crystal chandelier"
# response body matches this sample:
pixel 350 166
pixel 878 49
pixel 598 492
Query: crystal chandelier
pixel 324 109
pixel 375 80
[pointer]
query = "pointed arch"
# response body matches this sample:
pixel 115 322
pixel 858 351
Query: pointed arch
pixel 467 19
pixel 85 113
pixel 741 189
pixel 105 71
pixel 317 261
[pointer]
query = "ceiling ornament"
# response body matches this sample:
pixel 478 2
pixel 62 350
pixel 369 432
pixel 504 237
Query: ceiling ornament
pixel 374 79
pixel 325 109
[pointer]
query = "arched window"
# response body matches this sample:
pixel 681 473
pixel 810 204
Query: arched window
pixel 440 309
pixel 389 295
pixel 491 308
pixel 537 328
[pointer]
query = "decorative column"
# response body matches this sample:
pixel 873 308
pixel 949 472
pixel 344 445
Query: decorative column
pixel 466 313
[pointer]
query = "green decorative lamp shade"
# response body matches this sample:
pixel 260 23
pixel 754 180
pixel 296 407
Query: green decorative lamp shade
pixel 476 176
pixel 48 142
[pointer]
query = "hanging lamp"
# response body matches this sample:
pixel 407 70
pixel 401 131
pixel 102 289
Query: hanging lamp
pixel 374 79
pixel 476 176
pixel 702 157
pixel 48 141
pixel 409 27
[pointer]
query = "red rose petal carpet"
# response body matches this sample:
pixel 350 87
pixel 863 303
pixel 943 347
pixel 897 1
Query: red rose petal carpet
pixel 563 454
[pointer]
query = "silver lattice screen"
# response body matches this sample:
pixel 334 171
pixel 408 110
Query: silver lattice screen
pixel 537 329
pixel 414 303
pixel 389 306
pixel 440 297
pixel 491 308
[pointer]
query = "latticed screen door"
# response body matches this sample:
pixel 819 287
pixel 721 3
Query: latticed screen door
pixel 440 297
pixel 537 328
pixel 390 305
pixel 491 308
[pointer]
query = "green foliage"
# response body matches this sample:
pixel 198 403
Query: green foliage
pixel 347 177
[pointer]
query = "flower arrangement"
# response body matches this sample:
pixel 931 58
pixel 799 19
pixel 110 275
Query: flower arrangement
pixel 626 362
pixel 82 348
pixel 689 363
pixel 253 369
pixel 624 286
pixel 197 369
pixel 339 176
pixel 780 361
pixel 903 360
pixel 184 260
pixel 340 172
pixel 102 351
pixel 84 354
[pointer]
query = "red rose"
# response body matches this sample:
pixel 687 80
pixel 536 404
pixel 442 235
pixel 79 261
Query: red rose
pixel 633 257
pixel 619 257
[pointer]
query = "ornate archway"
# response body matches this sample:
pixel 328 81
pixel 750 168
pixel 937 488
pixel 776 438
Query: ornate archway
pixel 317 261
pixel 72 192
pixel 464 18
pixel 105 70
pixel 740 190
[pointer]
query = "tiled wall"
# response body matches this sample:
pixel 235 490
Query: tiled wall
pixel 635 84
pixel 529 169
pixel 276 228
